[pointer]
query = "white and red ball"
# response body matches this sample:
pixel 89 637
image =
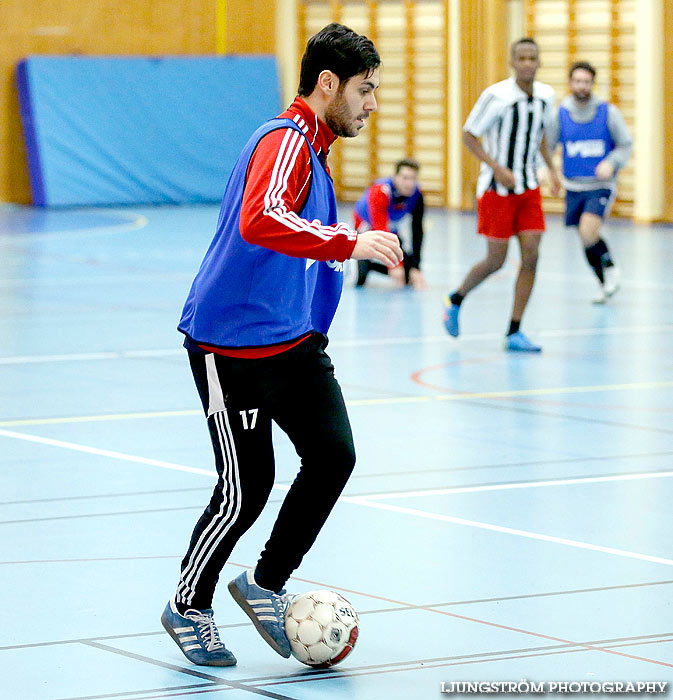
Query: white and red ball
pixel 322 627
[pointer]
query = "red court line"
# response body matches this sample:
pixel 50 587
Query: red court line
pixel 416 377
pixel 466 618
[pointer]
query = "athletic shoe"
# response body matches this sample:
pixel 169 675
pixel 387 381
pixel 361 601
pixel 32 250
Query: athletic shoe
pixel 451 317
pixel 601 297
pixel 518 342
pixel 363 271
pixel 612 277
pixel 197 636
pixel 265 608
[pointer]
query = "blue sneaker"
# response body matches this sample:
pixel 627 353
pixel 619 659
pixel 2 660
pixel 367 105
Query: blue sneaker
pixel 265 608
pixel 451 317
pixel 518 342
pixel 197 636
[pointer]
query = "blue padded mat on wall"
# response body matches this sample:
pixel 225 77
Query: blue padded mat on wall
pixel 108 130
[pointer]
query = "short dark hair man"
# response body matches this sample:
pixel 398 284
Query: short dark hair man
pixel 255 324
pixel 383 206
pixel 596 145
pixel 509 117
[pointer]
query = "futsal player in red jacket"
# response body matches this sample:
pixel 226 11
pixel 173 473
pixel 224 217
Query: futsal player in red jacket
pixel 382 207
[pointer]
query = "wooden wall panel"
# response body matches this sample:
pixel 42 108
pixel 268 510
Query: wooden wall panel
pixel 485 60
pixel 250 26
pixel 603 33
pixel 103 27
pixel 412 39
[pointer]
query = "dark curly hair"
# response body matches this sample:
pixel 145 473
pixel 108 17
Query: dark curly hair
pixel 338 49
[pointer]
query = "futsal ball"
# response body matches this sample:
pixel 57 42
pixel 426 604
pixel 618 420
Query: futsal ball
pixel 322 627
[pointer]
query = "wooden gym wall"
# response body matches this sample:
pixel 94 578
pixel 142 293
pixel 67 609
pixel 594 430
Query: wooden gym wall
pixel 113 27
pixel 603 33
pixel 484 60
pixel 246 26
pixel 630 42
pixel 412 39
pixel 478 55
pixel 438 55
pixel 433 73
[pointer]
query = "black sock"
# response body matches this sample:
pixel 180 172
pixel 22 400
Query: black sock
pixel 456 299
pixel 513 327
pixel 606 258
pixel 598 256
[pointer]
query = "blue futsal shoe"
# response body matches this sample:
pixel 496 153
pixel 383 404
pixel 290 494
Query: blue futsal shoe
pixel 265 608
pixel 451 317
pixel 197 636
pixel 518 342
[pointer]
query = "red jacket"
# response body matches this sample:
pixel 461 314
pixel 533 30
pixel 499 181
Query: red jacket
pixel 278 181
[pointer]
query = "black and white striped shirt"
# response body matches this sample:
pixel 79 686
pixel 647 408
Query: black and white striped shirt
pixel 511 124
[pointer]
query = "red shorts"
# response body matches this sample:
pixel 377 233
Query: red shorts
pixel 502 217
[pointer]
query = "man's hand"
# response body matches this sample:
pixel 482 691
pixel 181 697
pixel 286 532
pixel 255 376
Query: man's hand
pixel 605 170
pixel 554 183
pixel 548 176
pixel 504 176
pixel 378 245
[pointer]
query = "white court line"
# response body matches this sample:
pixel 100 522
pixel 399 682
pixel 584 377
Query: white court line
pixel 361 500
pixel 130 276
pixel 355 500
pixel 344 343
pixel 519 485
pixel 75 357
pixel 105 453
pixel 129 223
pixel 86 356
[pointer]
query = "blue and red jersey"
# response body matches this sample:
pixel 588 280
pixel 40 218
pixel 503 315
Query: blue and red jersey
pixel 382 207
pixel 273 272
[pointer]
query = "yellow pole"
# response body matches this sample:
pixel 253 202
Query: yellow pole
pixel 221 26
pixel 648 161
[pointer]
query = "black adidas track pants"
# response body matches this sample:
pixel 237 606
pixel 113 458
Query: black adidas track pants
pixel 296 389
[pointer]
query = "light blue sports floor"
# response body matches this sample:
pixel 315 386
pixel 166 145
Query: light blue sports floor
pixel 509 517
